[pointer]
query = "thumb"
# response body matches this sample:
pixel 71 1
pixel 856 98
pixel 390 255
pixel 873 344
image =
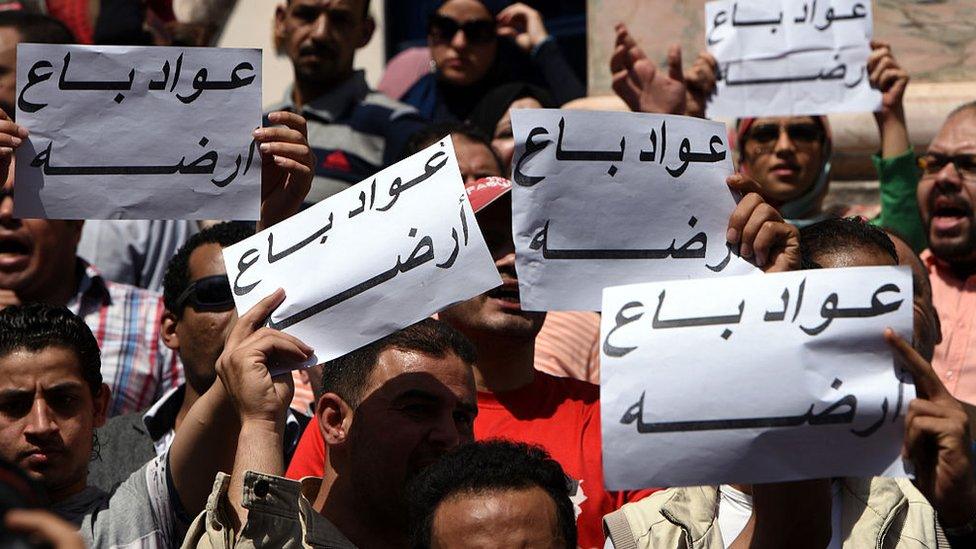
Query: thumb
pixel 674 63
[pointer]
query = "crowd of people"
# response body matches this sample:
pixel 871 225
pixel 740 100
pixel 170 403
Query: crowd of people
pixel 138 409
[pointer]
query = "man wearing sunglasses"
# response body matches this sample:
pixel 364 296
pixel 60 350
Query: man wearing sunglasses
pixel 199 314
pixel 354 131
pixel 946 198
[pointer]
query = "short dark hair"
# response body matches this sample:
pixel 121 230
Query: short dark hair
pixel 177 276
pixel 836 234
pixel 483 467
pixel 348 375
pixel 429 135
pixel 36 326
pixel 37 28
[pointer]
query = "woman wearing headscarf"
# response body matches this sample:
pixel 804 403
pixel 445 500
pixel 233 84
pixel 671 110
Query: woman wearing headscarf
pixel 789 157
pixel 473 51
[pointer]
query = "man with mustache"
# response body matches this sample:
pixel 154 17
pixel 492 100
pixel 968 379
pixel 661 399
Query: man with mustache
pixel 946 196
pixel 354 131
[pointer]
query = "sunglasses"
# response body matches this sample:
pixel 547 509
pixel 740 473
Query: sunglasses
pixel 932 163
pixel 477 31
pixel 798 133
pixel 210 293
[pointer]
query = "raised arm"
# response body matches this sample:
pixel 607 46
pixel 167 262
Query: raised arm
pixel 208 438
pixel 639 82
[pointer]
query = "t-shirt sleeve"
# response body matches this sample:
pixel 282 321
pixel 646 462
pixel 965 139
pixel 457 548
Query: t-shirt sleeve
pixel 142 511
pixel 309 457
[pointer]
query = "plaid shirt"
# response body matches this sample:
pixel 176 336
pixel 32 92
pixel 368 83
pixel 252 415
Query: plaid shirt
pixel 126 322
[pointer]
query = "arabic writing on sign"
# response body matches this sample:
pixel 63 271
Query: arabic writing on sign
pixel 387 252
pixel 594 193
pixel 785 57
pixel 726 363
pixel 154 133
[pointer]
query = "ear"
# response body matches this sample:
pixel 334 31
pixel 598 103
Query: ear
pixel 369 26
pixel 100 403
pixel 168 331
pixel 335 418
pixel 281 12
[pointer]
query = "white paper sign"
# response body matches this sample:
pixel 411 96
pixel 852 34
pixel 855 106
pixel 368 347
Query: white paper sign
pixel 608 198
pixel 377 257
pixel 783 57
pixel 754 379
pixel 138 132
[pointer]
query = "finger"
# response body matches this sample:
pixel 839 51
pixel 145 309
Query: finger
pixel 9 127
pixel 618 58
pixel 880 67
pixel 624 37
pixel 927 382
pixel 772 236
pixel 253 319
pixel 759 216
pixel 709 60
pixel 889 78
pixel 290 119
pixel 737 221
pixel 298 168
pixel 268 338
pixel 43 525
pixel 674 63
pixel 278 134
pixel 290 150
pixel 742 184
pixel 920 407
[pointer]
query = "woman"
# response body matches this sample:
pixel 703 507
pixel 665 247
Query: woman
pixel 493 115
pixel 473 51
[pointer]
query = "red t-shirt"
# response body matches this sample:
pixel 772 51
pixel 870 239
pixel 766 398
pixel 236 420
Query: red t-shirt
pixel 559 414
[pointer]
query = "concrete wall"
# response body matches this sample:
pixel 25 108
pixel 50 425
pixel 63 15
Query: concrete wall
pixel 250 26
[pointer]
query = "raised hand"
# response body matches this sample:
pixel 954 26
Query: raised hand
pixel 287 166
pixel 639 83
pixel 760 230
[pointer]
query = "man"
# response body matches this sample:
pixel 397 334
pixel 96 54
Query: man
pixel 825 513
pixel 492 494
pixel 354 131
pixel 389 409
pixel 199 314
pixel 51 400
pixel 39 263
pixel 946 199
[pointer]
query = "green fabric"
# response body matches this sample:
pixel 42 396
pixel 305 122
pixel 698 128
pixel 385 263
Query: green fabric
pixel 898 177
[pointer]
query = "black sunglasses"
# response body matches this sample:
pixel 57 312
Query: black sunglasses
pixel 477 31
pixel 801 132
pixel 210 293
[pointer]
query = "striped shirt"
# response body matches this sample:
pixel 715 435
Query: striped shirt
pixel 354 132
pixel 126 322
pixel 569 345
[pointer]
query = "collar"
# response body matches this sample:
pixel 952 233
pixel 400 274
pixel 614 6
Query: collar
pixel 91 286
pixel 161 417
pixel 333 104
pixel 694 509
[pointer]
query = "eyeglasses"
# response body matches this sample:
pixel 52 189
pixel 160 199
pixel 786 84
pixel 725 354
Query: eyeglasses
pixel 478 31
pixel 210 293
pixel 800 133
pixel 933 163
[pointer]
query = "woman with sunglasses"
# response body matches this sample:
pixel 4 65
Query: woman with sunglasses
pixel 473 51
pixel 788 156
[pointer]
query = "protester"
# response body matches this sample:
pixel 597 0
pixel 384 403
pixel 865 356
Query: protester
pixel 473 51
pixel 389 409
pixel 946 197
pixel 199 315
pixel 825 513
pixel 789 156
pixel 354 131
pixel 51 400
pixel 493 115
pixel 492 494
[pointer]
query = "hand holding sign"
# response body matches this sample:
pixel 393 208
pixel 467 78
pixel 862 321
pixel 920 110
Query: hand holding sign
pixel 11 137
pixel 287 167
pixel 760 231
pixel 937 439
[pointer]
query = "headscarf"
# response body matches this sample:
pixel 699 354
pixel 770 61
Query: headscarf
pixel 495 104
pixel 792 209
